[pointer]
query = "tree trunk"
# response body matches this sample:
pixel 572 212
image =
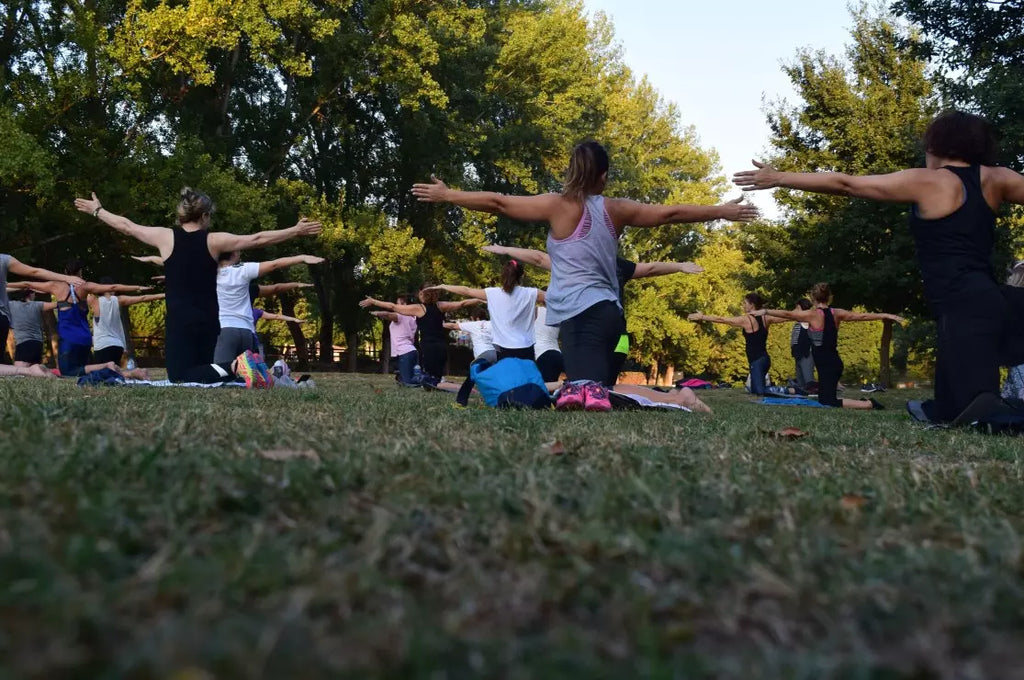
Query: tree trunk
pixel 126 322
pixel 652 377
pixel 352 342
pixel 670 375
pixel 298 337
pixel 326 319
pixel 884 370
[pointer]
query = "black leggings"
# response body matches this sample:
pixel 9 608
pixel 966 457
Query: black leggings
pixel 589 340
pixel 102 356
pixel 830 370
pixel 514 353
pixel 551 365
pixel 433 356
pixel 187 348
pixel 5 328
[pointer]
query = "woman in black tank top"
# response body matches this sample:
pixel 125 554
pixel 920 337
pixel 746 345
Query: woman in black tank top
pixel 954 200
pixel 429 315
pixel 823 322
pixel 755 336
pixel 189 253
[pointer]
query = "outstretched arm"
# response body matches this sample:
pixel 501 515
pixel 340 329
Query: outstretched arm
pixel 538 258
pixel 278 288
pixel 387 316
pixel 222 242
pixel 735 321
pixel 526 208
pixel 405 310
pixel 128 300
pixel 160 238
pixel 626 213
pixel 101 288
pixel 803 315
pixel 906 186
pixel 49 306
pixel 150 259
pixel 1011 185
pixel 647 269
pixel 845 315
pixel 464 291
pixel 268 316
pixel 451 326
pixel 16 267
pixel 282 262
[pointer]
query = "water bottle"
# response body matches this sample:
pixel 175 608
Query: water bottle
pixel 131 363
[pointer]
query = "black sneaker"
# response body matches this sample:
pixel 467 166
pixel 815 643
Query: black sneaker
pixel 876 405
pixel 872 387
pixel 983 406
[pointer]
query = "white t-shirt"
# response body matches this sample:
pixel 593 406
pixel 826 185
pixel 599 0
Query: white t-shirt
pixel 546 336
pixel 480 335
pixel 512 316
pixel 233 295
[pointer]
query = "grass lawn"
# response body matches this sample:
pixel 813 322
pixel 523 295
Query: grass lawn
pixel 156 533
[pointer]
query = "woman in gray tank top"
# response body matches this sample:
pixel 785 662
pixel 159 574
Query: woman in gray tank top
pixel 582 244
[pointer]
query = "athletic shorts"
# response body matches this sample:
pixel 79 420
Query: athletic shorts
pixel 30 352
pixel 102 356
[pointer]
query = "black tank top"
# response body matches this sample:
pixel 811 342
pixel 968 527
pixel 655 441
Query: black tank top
pixel 757 342
pixel 825 342
pixel 955 251
pixel 431 325
pixel 191 282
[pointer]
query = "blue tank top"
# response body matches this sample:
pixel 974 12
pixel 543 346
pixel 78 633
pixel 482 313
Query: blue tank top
pixel 73 320
pixel 583 270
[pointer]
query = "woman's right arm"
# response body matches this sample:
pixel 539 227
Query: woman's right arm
pixel 735 321
pixel 282 262
pixel 222 242
pixel 1012 185
pixel 626 213
pixel 538 258
pixel 16 267
pixel 526 208
pixel 405 310
pixel 160 238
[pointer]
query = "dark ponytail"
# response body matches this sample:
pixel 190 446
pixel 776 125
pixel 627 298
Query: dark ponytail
pixel 511 275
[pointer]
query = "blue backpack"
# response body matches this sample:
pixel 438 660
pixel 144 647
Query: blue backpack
pixel 511 383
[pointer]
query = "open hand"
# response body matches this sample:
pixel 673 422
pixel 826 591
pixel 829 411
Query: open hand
pixel 434 192
pixel 88 206
pixel 691 268
pixel 695 316
pixel 737 211
pixel 312 259
pixel 494 250
pixel 307 227
pixel 368 302
pixel 765 177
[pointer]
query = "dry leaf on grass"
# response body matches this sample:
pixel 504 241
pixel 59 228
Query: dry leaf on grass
pixel 786 433
pixel 555 448
pixel 852 501
pixel 290 454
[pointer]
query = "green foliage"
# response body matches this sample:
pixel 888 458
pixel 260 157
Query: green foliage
pixel 977 49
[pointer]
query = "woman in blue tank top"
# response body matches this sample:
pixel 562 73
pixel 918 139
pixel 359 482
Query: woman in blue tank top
pixel 954 200
pixel 189 252
pixel 582 244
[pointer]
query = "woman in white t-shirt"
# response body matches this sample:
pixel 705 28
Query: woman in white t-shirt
pixel 546 349
pixel 237 326
pixel 512 310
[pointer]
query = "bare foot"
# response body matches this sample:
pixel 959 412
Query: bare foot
pixel 690 400
pixel 39 371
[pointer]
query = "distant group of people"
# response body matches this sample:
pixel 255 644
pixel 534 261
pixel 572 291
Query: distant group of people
pixel 210 317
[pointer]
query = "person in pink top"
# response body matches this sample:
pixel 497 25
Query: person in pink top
pixel 403 341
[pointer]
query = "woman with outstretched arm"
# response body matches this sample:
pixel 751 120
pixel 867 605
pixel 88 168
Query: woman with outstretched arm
pixel 953 204
pixel 11 265
pixel 823 328
pixel 755 337
pixel 189 252
pixel 582 244
pixel 429 314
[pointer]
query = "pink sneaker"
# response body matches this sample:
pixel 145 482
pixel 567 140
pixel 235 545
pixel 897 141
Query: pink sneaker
pixel 596 398
pixel 570 398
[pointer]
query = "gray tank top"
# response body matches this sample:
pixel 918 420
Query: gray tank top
pixel 5 307
pixel 583 265
pixel 27 321
pixel 107 329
